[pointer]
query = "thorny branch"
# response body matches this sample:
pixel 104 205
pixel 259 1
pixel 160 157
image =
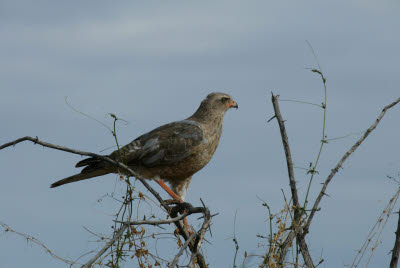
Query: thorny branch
pixel 120 232
pixel 292 182
pixel 373 238
pixel 300 230
pixel 396 247
pixel 177 256
pixel 197 238
pixel 34 240
pixel 289 161
pixel 339 165
pixel 193 245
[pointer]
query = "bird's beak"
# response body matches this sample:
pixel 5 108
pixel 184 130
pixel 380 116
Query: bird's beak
pixel 232 104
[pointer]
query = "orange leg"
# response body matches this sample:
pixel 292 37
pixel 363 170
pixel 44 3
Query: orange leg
pixel 169 191
pixel 177 198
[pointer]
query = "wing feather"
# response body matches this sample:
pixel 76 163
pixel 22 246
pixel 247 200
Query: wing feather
pixel 165 145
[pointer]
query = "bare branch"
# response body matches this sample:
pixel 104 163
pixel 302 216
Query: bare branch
pixel 285 247
pixel 193 260
pixel 104 158
pixel 107 246
pixel 396 248
pixel 176 259
pixel 292 182
pixel 189 211
pixel 289 161
pixel 300 238
pixel 338 166
pixel 34 240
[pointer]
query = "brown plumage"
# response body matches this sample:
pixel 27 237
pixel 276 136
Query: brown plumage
pixel 172 152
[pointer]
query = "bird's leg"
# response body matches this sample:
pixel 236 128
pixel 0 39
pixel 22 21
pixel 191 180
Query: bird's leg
pixel 169 191
pixel 177 198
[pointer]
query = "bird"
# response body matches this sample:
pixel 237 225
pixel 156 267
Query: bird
pixel 171 153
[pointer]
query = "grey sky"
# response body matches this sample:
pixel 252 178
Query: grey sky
pixel 152 62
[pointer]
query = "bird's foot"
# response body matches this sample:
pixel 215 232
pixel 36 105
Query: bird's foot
pixel 172 201
pixel 185 220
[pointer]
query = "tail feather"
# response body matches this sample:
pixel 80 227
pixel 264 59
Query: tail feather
pixel 87 162
pixel 79 177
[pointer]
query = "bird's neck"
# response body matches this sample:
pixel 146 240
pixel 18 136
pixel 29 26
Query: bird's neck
pixel 205 117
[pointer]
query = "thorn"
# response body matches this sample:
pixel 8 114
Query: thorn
pixel 271 119
pixel 202 203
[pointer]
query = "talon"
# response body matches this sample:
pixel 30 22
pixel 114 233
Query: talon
pixel 172 201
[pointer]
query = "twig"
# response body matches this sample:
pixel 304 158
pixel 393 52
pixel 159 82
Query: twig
pixel 313 168
pixel 345 156
pixel 201 233
pixel 187 212
pixel 37 242
pixel 196 256
pixel 235 241
pixel 177 256
pixel 376 232
pixel 109 244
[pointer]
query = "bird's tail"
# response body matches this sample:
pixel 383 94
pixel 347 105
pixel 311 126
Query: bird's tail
pixel 80 176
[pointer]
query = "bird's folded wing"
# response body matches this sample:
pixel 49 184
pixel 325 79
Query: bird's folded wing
pixel 165 145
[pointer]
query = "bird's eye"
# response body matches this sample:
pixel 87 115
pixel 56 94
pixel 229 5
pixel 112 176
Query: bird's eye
pixel 224 99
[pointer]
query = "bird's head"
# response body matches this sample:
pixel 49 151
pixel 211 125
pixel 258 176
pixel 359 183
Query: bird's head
pixel 220 102
pixel 214 106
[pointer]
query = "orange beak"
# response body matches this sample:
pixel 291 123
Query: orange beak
pixel 232 104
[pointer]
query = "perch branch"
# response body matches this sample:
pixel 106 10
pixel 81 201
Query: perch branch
pixel 130 172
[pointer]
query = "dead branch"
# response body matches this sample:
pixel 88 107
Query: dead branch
pixel 191 210
pixel 196 255
pixel 285 247
pixel 289 161
pixel 120 232
pixel 195 244
pixel 396 248
pixel 301 231
pixel 177 256
pixel 34 240
pixel 182 230
pixel 292 182
pixel 339 165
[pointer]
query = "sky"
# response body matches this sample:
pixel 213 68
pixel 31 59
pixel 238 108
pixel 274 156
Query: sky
pixel 151 63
